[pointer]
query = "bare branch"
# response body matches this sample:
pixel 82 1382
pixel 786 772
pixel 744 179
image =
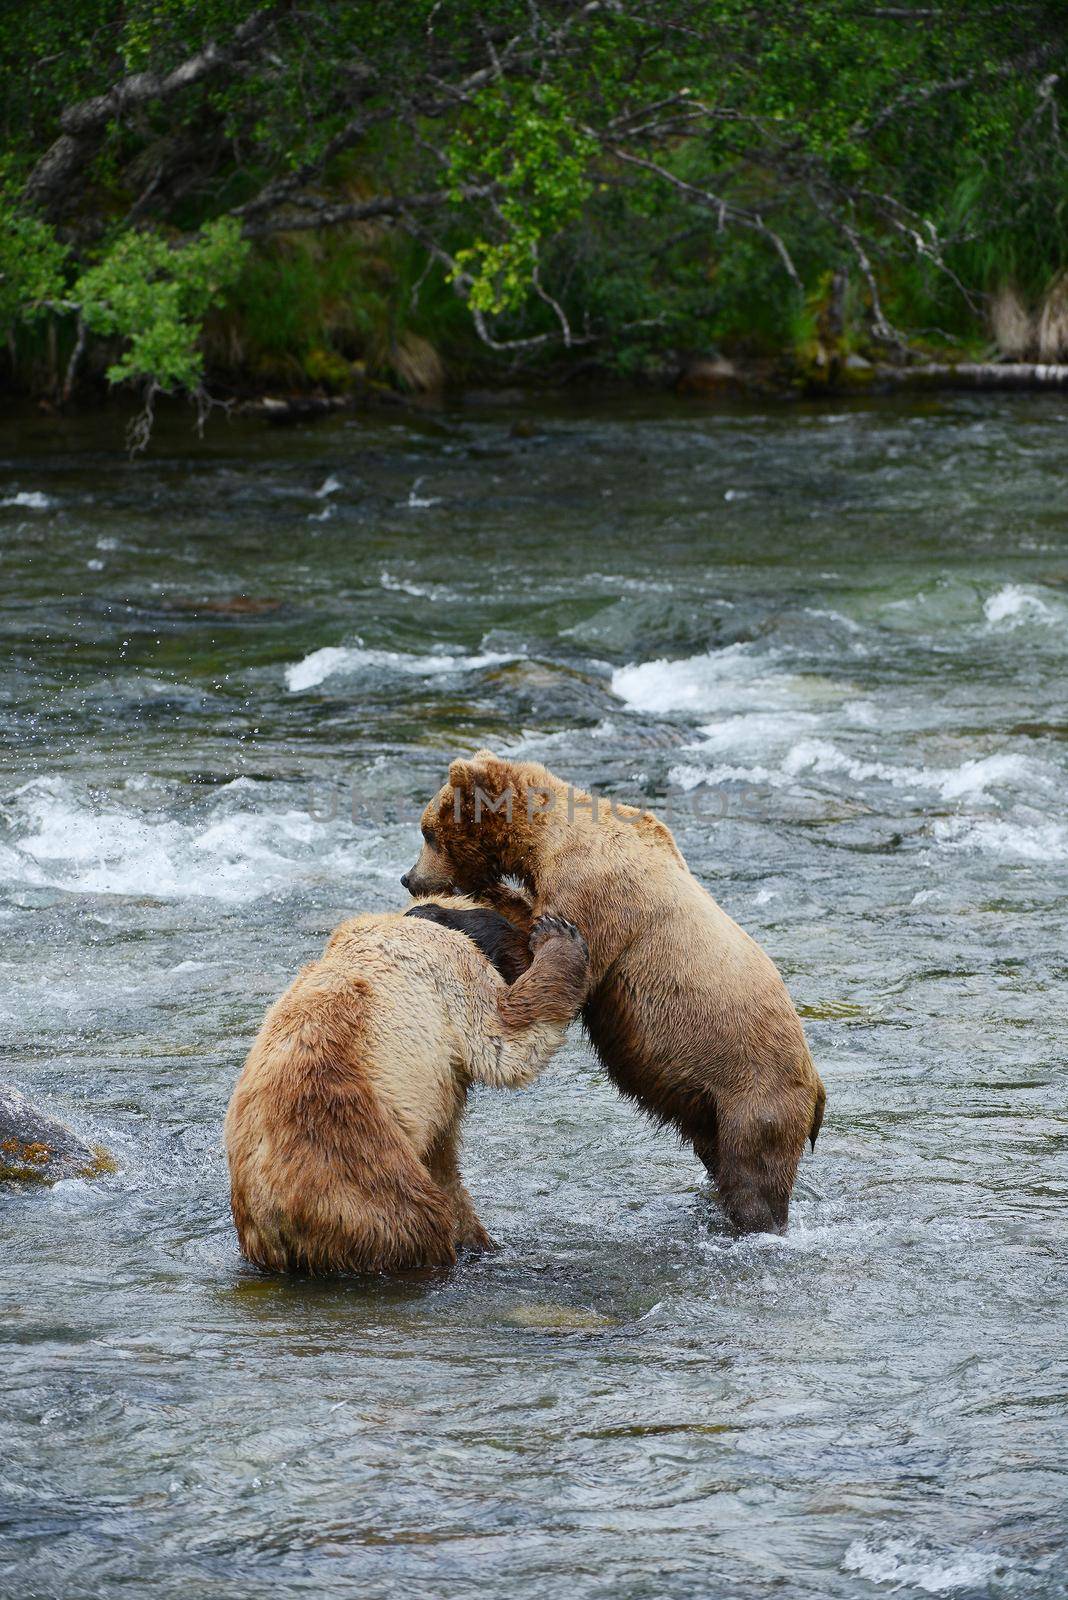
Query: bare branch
pixel 553 304
pixel 139 432
pixel 315 212
pixel 84 124
pixel 725 210
pixel 908 98
pixel 881 328
pixel 75 360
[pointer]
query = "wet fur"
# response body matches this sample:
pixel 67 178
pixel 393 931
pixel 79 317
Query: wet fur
pixel 500 941
pixel 343 1131
pixel 688 1014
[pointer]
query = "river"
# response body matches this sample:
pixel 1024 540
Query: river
pixel 828 643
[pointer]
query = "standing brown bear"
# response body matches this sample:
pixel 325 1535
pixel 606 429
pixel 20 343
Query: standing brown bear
pixel 343 1131
pixel 688 1014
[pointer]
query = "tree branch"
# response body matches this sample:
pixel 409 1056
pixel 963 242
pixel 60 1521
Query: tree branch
pixel 462 282
pixel 908 98
pixel 724 209
pixel 85 124
pixel 315 212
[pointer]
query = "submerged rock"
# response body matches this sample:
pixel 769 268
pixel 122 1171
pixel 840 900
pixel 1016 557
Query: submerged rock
pixel 37 1148
pixel 559 1319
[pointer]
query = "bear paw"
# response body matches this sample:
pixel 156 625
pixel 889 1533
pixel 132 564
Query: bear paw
pixel 549 927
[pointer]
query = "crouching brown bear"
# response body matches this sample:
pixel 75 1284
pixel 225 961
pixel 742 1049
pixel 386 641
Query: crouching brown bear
pixel 343 1131
pixel 687 1013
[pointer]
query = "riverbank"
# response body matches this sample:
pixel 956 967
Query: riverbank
pixel 696 378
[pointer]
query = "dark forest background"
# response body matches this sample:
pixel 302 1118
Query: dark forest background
pixel 214 197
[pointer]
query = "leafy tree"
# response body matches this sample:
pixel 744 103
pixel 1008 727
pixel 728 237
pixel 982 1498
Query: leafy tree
pixel 596 173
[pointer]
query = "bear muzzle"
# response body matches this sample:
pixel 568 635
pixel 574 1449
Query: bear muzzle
pixel 418 886
pixel 431 873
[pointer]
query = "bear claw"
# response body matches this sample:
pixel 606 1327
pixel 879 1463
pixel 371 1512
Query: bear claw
pixel 549 927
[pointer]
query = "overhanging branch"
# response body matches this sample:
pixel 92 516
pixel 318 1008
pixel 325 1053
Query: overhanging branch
pixel 311 211
pixel 85 124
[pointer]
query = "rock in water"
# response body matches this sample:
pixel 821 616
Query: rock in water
pixel 37 1148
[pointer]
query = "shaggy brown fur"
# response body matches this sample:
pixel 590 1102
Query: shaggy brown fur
pixel 688 1014
pixel 343 1131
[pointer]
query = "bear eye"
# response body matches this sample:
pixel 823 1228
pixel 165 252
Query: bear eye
pixel 428 833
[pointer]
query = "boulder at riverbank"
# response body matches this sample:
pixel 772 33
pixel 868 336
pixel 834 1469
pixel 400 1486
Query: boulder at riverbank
pixel 36 1147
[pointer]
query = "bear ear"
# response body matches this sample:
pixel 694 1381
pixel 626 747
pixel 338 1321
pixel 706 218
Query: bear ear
pixel 461 775
pixel 465 774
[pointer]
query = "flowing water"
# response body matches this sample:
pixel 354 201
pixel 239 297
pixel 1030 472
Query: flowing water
pixel 829 645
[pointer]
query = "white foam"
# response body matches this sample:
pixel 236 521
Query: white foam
pixel 351 660
pixel 975 779
pixel 221 847
pixel 1014 604
pixel 834 616
pixel 32 499
pixel 862 712
pixel 972 779
pixel 754 732
pixel 730 679
pixel 534 741
pixel 417 502
pixel 694 683
pixel 1022 839
pixel 751 735
pixel 909 1563
pixel 422 591
pixel 329 486
pixel 687 776
pixel 989 772
pixel 820 756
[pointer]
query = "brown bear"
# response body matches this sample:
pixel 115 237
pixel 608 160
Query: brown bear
pixel 688 1014
pixel 343 1131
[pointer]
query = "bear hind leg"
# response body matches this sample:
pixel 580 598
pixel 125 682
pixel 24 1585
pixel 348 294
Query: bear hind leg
pixel 444 1167
pixel 754 1160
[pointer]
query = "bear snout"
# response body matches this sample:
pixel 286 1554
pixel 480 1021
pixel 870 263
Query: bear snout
pixel 430 873
pixel 417 885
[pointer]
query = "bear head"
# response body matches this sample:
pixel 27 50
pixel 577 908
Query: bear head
pixel 486 823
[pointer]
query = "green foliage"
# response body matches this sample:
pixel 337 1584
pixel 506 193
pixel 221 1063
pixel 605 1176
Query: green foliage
pixel 156 297
pixel 527 145
pixel 678 176
pixel 31 265
pixel 307 308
